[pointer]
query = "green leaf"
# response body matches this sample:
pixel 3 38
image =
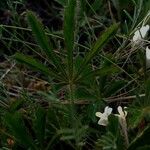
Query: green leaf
pixel 100 43
pixel 39 125
pixel 83 93
pixel 106 70
pixel 34 64
pixel 113 125
pixel 136 117
pixel 38 31
pixel 69 27
pixel 15 123
pixel 107 141
pixel 112 140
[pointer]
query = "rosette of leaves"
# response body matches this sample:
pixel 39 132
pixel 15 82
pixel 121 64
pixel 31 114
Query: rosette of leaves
pixel 67 71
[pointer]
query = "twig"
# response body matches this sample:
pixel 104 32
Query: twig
pixel 110 10
pixel 7 71
pixel 86 102
pixel 109 100
pixel 122 98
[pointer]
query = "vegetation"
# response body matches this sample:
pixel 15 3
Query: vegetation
pixel 63 64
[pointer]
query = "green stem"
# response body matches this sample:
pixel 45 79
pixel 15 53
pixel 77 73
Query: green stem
pixel 73 113
pixel 71 98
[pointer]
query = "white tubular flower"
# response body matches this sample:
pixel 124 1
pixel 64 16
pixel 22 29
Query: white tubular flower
pixel 147 57
pixel 104 116
pixel 140 34
pixel 122 114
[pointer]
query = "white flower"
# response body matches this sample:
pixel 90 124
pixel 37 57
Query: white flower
pixel 122 114
pixel 147 57
pixel 122 120
pixel 104 116
pixel 140 34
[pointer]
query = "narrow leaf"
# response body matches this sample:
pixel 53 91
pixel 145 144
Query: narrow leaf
pixel 107 70
pixel 69 27
pixel 35 64
pixel 100 43
pixel 38 31
pixel 17 126
pixel 39 125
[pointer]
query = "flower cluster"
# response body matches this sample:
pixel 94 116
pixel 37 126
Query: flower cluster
pixel 138 36
pixel 104 116
pixel 122 113
pixel 107 111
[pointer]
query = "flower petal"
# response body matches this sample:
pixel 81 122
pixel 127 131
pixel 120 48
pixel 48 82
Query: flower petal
pixel 147 57
pixel 103 122
pixel 104 116
pixel 109 111
pixel 147 53
pixel 106 108
pixel 144 30
pixel 125 112
pixel 120 111
pixel 98 114
pixel 140 34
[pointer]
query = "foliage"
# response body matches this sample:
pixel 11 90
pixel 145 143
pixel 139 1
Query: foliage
pixel 73 71
pixel 113 138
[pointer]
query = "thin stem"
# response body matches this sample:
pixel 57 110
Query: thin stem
pixel 71 98
pixel 123 124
